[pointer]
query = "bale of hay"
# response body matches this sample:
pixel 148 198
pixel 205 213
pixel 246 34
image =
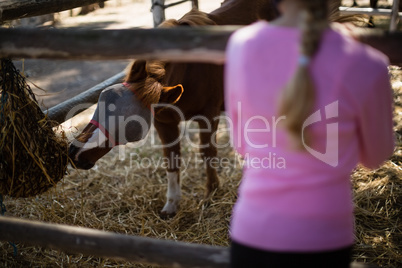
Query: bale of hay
pixel 32 157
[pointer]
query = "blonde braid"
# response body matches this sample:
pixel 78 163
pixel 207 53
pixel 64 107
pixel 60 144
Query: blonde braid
pixel 299 94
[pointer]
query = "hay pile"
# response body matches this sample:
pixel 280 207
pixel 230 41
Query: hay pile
pixel 32 157
pixel 122 197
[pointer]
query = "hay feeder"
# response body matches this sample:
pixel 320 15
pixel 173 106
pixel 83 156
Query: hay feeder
pixel 32 157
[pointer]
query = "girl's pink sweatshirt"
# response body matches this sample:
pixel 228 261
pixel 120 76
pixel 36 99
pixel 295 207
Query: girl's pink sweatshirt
pixel 301 201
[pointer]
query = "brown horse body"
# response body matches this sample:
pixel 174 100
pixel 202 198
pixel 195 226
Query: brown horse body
pixel 202 98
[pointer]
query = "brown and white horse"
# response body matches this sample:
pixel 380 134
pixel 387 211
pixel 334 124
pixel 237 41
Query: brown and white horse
pixel 193 89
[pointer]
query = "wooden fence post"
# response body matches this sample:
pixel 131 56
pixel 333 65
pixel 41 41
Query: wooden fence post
pixel 158 11
pixel 195 4
pixel 394 16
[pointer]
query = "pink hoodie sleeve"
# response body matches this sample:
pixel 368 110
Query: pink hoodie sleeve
pixel 375 125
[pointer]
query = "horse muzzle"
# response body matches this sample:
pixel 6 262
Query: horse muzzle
pixel 78 162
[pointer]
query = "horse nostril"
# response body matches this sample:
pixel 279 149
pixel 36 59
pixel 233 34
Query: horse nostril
pixel 72 151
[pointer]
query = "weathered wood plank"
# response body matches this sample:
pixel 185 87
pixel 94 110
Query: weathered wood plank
pixel 76 104
pixel 117 246
pixel 184 44
pixel 113 245
pixel 11 10
pixel 367 11
pixel 201 44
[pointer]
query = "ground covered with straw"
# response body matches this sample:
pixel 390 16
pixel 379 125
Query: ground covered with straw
pixel 124 194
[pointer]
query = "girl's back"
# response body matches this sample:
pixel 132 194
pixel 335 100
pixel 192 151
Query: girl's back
pixel 282 186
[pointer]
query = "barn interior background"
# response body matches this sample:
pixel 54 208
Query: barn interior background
pixel 124 194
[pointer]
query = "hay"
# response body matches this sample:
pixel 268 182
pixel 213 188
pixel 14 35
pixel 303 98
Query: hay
pixel 378 199
pixel 32 157
pixel 122 197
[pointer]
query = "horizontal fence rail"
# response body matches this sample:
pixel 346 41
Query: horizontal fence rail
pixel 202 44
pixel 79 103
pixel 11 9
pixel 113 245
pixel 367 11
pixel 118 246
pixel 197 44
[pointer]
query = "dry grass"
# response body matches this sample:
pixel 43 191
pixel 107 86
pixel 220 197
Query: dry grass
pixel 120 196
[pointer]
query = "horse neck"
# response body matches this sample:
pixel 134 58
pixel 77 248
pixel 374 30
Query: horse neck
pixel 243 12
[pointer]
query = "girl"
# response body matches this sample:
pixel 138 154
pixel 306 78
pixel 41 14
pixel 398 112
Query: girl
pixel 306 104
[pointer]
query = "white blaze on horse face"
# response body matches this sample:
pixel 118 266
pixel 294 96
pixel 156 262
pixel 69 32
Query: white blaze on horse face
pixel 173 193
pixel 97 140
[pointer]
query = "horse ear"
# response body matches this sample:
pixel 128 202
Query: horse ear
pixel 136 72
pixel 171 94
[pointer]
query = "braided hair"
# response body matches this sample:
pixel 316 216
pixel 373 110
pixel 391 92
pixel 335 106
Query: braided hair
pixel 298 98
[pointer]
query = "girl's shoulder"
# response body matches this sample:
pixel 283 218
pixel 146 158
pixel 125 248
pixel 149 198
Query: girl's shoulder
pixel 249 32
pixel 261 31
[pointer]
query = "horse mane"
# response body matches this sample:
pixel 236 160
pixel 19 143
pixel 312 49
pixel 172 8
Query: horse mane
pixel 146 77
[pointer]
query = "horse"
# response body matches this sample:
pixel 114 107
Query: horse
pixel 170 92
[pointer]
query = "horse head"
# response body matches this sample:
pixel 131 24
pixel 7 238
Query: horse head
pixel 123 113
